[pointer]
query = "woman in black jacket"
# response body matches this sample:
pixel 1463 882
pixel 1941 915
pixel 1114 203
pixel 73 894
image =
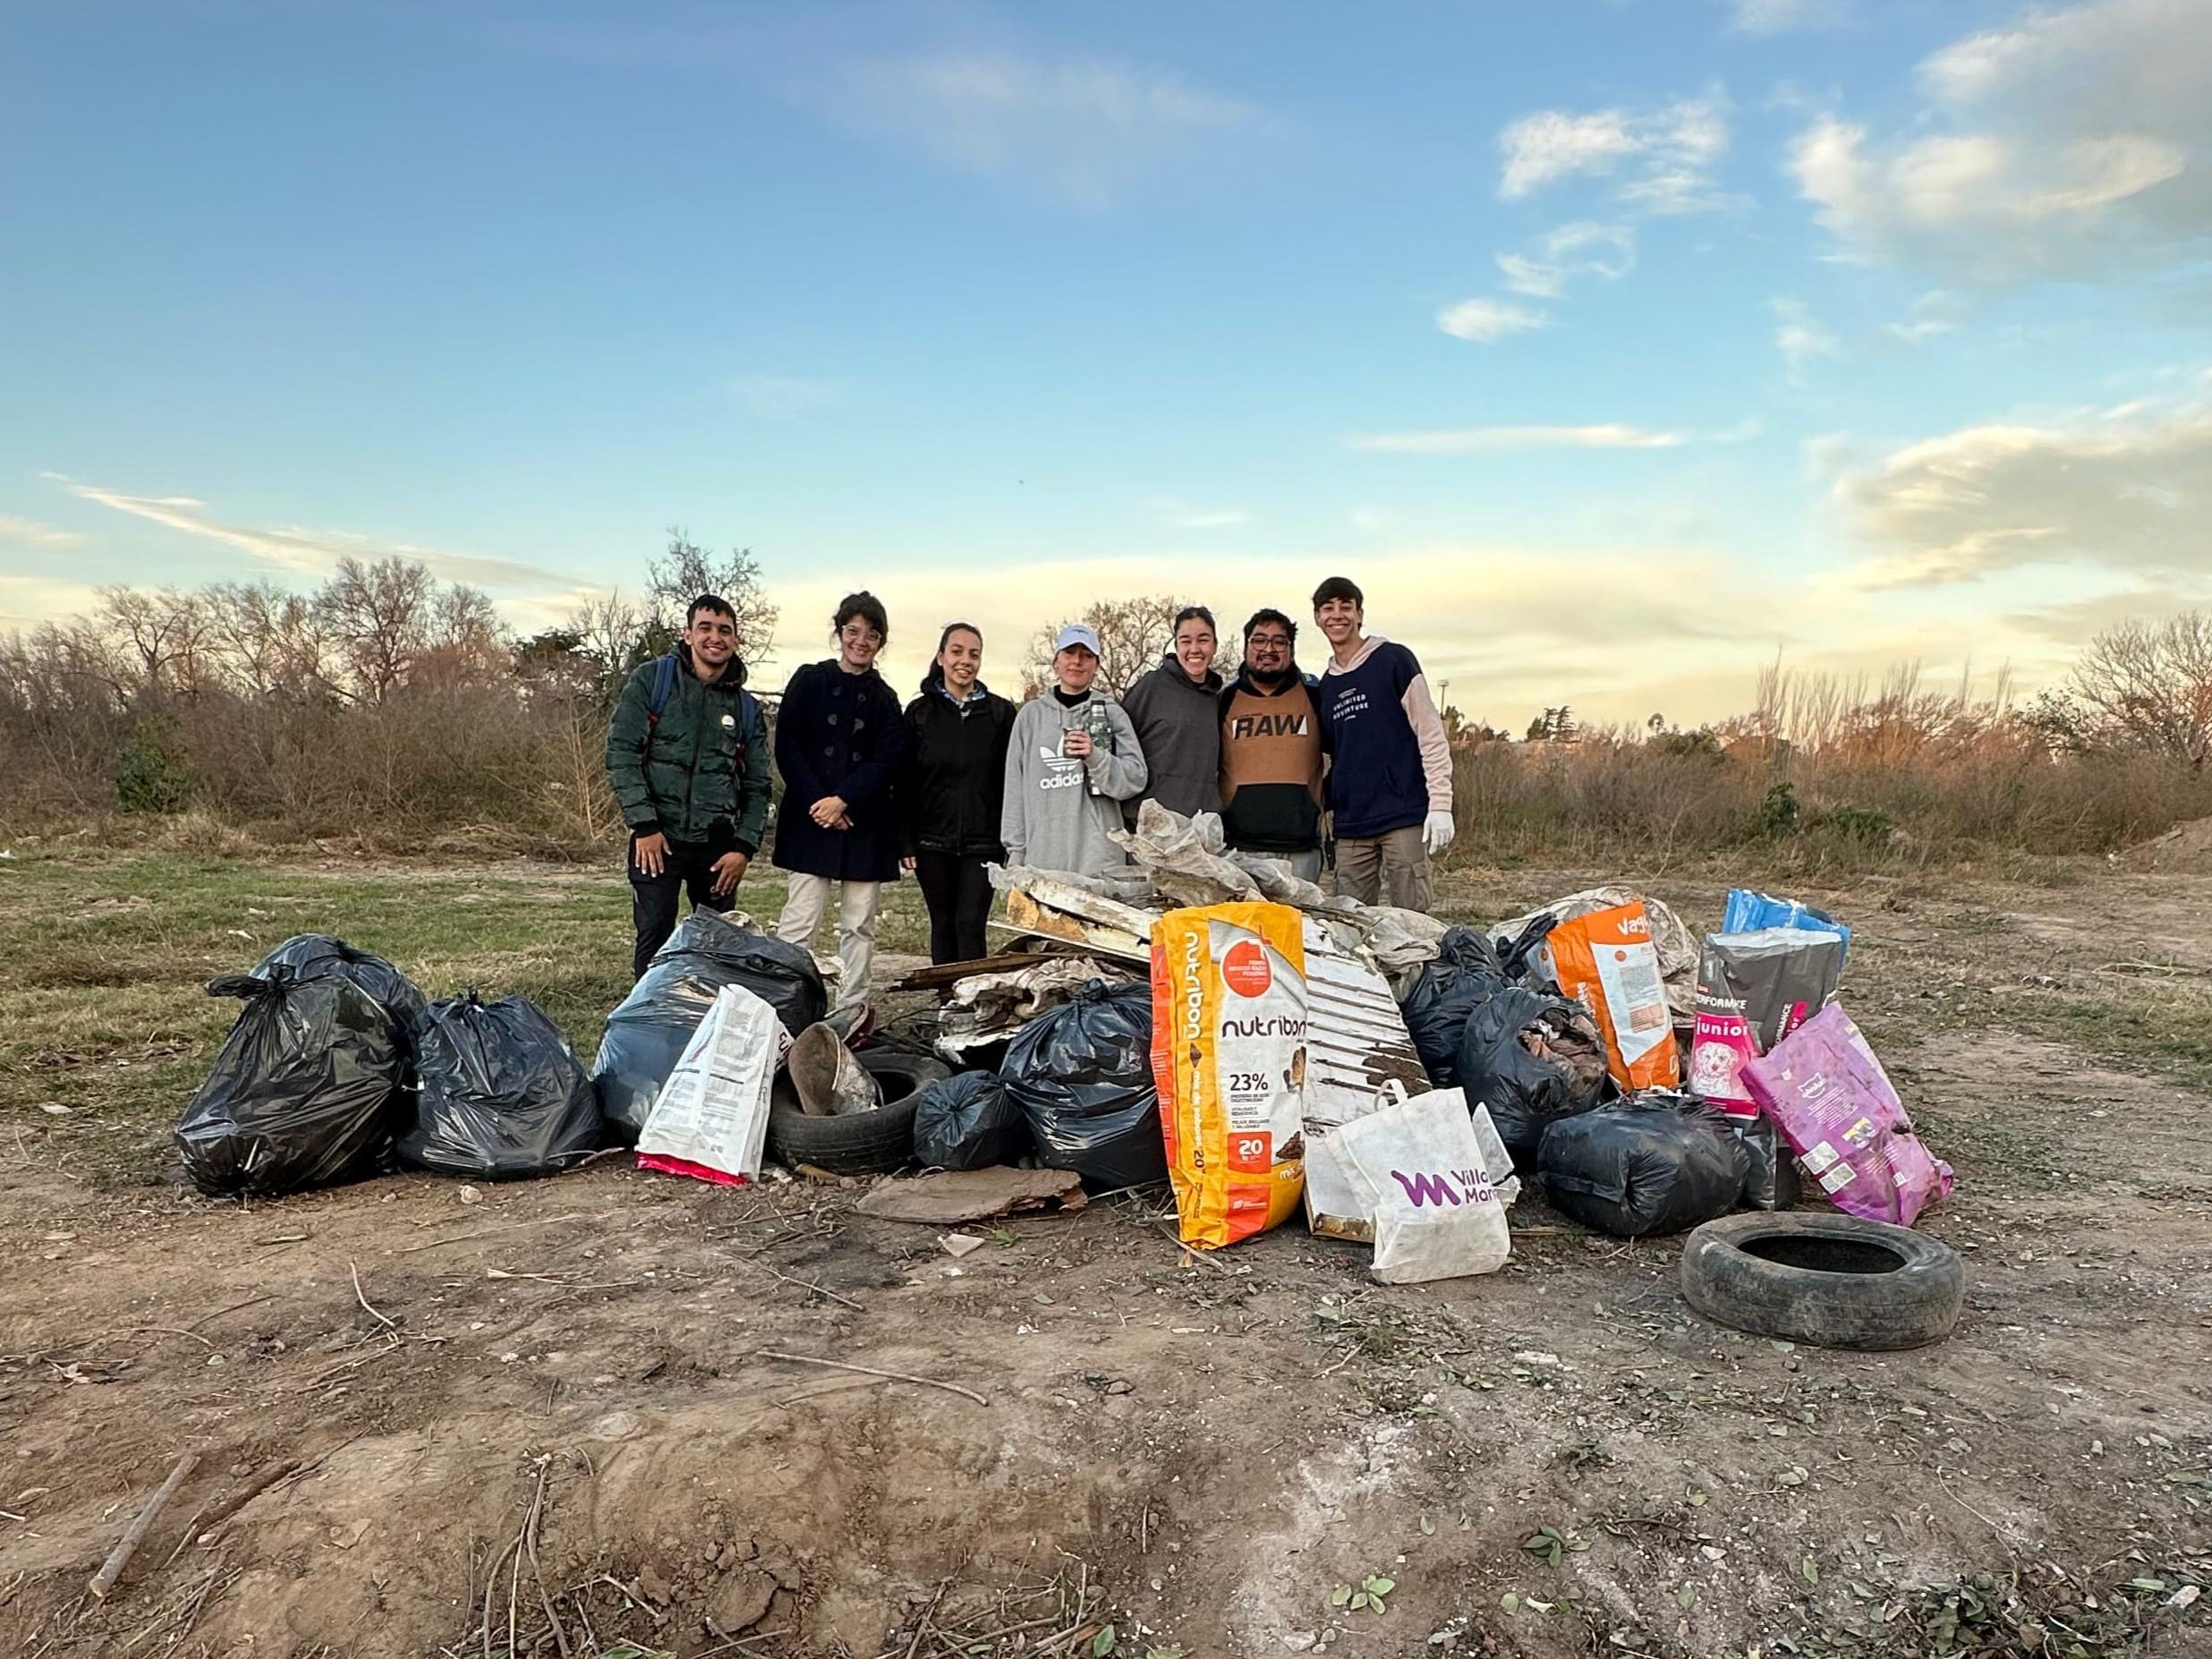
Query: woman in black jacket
pixel 838 744
pixel 951 790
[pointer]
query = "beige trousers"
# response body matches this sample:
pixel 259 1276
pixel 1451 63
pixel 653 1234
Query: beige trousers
pixel 1390 869
pixel 806 903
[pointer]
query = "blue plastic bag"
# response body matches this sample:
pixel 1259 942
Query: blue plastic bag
pixel 1748 912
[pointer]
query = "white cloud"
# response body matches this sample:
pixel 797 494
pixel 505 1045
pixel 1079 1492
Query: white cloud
pixel 1934 313
pixel 1775 17
pixel 1483 320
pixel 307 552
pixel 1488 439
pixel 1179 515
pixel 1491 440
pixel 1665 155
pixel 1827 457
pixel 29 532
pixel 26 601
pixel 1553 144
pixel 1582 249
pixel 779 397
pixel 2132 494
pixel 1082 133
pixel 2070 144
pixel 1799 337
pixel 943 84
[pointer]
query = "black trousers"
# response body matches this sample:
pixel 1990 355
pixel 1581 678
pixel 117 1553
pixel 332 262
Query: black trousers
pixel 958 892
pixel 654 899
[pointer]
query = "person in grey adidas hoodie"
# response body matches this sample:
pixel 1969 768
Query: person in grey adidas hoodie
pixel 1071 761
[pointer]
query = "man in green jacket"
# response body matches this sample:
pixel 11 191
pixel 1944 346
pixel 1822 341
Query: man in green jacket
pixel 687 754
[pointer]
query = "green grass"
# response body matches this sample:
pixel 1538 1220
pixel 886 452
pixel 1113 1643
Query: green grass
pixel 104 960
pixel 2166 1030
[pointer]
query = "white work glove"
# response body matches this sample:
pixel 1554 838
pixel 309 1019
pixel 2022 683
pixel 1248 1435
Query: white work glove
pixel 1437 833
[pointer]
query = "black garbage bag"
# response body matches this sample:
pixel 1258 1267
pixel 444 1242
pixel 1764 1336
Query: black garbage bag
pixel 1515 955
pixel 966 1122
pixel 1082 1075
pixel 1531 1058
pixel 1770 1179
pixel 646 1034
pixel 316 956
pixel 501 1095
pixel 1465 972
pixel 305 1091
pixel 1653 1163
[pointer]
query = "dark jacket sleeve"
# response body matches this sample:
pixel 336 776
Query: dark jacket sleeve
pixel 796 722
pixel 1137 703
pixel 906 791
pixel 869 784
pixel 757 784
pixel 1007 711
pixel 626 736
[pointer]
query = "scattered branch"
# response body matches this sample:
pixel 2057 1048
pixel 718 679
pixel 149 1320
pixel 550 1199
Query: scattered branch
pixel 870 1371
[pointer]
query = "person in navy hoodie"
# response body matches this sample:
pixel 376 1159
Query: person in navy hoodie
pixel 840 741
pixel 1390 785
pixel 952 791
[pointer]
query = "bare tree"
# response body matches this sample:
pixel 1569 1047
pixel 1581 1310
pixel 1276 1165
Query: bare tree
pixel 377 614
pixel 611 629
pixel 2149 686
pixel 464 642
pixel 1133 635
pixel 159 638
pixel 688 570
pixel 270 642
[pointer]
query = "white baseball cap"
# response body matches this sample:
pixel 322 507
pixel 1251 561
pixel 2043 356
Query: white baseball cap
pixel 1078 634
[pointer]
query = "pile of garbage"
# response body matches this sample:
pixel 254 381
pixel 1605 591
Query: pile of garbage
pixel 1401 1081
pixel 339 1068
pixel 1205 1019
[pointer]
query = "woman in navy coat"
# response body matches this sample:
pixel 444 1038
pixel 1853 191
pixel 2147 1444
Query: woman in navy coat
pixel 839 739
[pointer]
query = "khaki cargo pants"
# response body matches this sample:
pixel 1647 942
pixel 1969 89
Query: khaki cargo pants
pixel 1390 869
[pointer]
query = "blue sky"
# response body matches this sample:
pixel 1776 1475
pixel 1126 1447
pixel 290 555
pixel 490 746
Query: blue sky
pixel 1614 345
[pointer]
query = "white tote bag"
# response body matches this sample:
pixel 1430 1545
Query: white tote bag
pixel 1423 1174
pixel 713 1109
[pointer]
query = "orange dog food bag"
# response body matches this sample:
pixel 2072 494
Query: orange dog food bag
pixel 1606 961
pixel 1228 1057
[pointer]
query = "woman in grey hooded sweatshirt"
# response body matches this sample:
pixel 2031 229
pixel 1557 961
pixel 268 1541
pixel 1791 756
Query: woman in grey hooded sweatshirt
pixel 1071 762
pixel 1176 711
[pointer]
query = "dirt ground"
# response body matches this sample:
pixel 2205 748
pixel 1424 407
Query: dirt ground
pixel 544 1417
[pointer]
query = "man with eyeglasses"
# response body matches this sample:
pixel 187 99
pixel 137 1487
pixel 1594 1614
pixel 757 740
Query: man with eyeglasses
pixel 1272 742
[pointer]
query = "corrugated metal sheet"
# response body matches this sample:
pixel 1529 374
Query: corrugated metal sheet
pixel 1355 1040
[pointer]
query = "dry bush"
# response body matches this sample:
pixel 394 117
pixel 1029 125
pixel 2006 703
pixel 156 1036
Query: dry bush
pixel 1824 773
pixel 386 708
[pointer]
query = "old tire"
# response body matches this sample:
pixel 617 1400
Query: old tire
pixel 1833 1280
pixel 861 1142
pixel 902 1075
